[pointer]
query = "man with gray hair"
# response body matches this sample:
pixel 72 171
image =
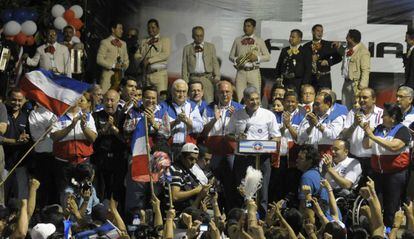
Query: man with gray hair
pixel 183 117
pixel 253 123
pixel 405 96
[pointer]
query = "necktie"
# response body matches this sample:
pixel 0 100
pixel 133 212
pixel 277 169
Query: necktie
pixel 153 40
pixel 50 49
pixel 116 42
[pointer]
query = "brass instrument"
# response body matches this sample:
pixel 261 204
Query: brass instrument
pixel 4 58
pixel 242 60
pixel 76 60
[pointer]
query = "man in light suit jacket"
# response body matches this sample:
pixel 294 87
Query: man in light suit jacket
pixel 51 56
pixel 200 63
pixel 153 54
pixel 248 74
pixel 112 55
pixel 408 60
pixel 356 65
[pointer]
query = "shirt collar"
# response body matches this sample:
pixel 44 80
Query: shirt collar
pixel 201 44
pixel 246 36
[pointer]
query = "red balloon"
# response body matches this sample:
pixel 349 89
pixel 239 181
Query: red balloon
pixel 69 15
pixel 78 34
pixel 30 41
pixel 76 23
pixel 21 39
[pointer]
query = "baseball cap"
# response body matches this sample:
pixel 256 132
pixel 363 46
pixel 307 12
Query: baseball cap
pixel 42 230
pixel 190 148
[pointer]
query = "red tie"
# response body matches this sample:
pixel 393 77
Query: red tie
pixel 247 41
pixel 50 49
pixel 153 40
pixel 116 42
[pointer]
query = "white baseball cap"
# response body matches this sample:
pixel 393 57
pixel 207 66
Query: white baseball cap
pixel 190 148
pixel 42 230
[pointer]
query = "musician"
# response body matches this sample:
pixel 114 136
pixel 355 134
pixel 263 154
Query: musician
pixel 68 33
pixel 293 66
pixel 112 55
pixel 51 55
pixel 356 57
pixel 323 57
pixel 200 63
pixel 247 52
pixel 153 53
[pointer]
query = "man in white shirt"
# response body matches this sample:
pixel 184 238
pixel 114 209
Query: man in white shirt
pixel 321 126
pixel 183 117
pixel 51 56
pixel 307 96
pixel 253 123
pixel 342 172
pixel 368 113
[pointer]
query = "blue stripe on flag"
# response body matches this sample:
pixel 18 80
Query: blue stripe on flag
pixel 66 82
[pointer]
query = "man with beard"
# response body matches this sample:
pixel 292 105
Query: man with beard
pixel 294 65
pixel 323 57
pixel 109 147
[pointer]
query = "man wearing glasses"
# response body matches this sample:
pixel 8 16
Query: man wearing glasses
pixel 405 97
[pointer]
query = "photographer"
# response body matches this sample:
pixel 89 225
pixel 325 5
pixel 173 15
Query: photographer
pixel 80 196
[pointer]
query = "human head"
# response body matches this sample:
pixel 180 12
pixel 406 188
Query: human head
pixel 116 29
pixel 295 37
pixel 111 100
pixel 198 34
pixel 132 32
pixel 224 92
pixel 278 91
pixel 340 149
pixel 83 172
pixel 128 88
pixel 189 155
pixel 317 32
pixel 308 94
pixel 153 27
pixel 68 33
pixel 85 102
pixel 51 35
pixel 179 90
pixel 294 218
pixel 16 99
pixel 249 26
pixel 291 101
pixel 163 95
pixel 149 99
pixel 97 94
pixel 392 115
pixel 233 219
pixel 138 93
pixel 251 98
pixel 329 91
pixel 334 229
pixel 277 105
pixel 353 37
pixel 409 37
pixel 196 91
pixel 308 157
pixel 405 96
pixel 323 102
pixel 366 99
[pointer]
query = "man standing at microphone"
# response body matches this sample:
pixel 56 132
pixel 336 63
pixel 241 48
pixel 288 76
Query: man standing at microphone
pixel 253 123
pixel 153 53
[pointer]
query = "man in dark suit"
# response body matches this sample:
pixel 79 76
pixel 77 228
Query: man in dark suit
pixel 323 57
pixel 293 66
pixel 409 59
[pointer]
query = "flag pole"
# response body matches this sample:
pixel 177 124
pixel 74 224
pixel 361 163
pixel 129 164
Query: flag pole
pixel 148 153
pixel 33 146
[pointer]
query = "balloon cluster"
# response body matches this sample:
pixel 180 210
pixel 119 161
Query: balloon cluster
pixel 20 25
pixel 64 17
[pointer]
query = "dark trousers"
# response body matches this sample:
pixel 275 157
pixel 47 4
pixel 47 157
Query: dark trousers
pixel 17 185
pixel 47 193
pixel 241 163
pixel 390 188
pixel 284 182
pixel 222 168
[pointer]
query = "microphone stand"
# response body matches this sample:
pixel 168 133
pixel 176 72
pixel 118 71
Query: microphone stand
pixel 144 68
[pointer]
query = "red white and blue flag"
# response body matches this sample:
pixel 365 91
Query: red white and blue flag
pixel 54 92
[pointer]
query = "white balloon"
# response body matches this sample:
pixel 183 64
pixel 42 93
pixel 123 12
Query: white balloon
pixel 60 23
pixel 78 11
pixel 75 39
pixel 29 28
pixel 58 10
pixel 12 28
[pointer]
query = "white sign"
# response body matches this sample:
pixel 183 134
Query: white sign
pixel 257 146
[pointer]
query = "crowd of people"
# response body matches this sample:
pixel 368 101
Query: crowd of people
pixel 81 179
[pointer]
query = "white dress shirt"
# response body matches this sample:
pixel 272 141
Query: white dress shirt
pixel 199 68
pixel 39 120
pixel 348 168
